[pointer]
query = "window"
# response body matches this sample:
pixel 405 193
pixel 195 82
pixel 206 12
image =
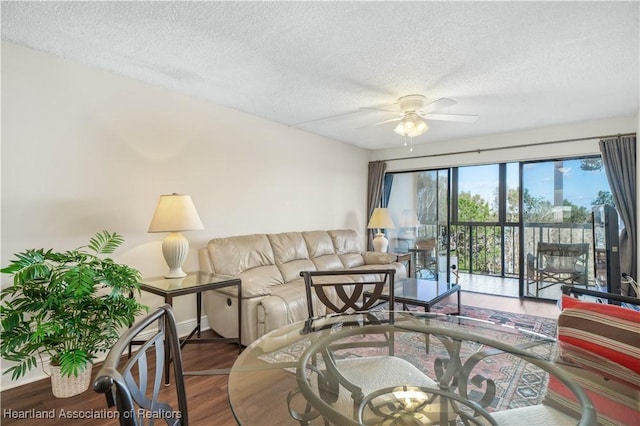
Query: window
pixel 483 213
pixel 476 193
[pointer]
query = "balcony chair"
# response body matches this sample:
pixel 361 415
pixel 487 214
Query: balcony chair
pixel 556 263
pixel 133 383
pixel 343 381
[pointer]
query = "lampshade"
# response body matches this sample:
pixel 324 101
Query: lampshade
pixel 175 213
pixel 380 219
pixel 411 125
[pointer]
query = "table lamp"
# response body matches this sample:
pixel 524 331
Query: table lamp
pixel 380 219
pixel 173 214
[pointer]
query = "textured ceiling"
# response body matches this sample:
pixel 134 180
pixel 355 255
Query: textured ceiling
pixel 517 65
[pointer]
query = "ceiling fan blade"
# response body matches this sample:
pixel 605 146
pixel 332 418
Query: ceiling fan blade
pixel 387 121
pixel 437 104
pixel 460 118
pixel 382 122
pixel 384 108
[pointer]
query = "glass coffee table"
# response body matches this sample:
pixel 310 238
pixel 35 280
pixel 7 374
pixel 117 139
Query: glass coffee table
pixel 424 293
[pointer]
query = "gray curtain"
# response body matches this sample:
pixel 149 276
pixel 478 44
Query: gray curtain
pixel 387 183
pixel 619 159
pixel 374 193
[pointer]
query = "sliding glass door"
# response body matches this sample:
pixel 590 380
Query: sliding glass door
pixel 558 197
pixel 489 227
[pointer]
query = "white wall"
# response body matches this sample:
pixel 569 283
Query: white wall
pixel 85 150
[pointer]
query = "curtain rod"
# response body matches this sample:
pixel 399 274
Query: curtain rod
pixel 470 151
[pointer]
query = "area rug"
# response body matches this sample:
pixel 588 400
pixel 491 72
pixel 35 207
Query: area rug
pixel 518 383
pixel 533 323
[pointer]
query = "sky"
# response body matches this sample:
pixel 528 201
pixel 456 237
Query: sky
pixel 580 187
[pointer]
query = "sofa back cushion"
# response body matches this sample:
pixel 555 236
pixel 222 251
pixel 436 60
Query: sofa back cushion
pixel 290 254
pixel 321 250
pixel 348 247
pixel 248 257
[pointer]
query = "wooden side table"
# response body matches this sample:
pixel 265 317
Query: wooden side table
pixel 194 282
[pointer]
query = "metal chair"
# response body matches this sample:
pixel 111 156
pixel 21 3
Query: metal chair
pixel 342 291
pixel 560 264
pixel 133 383
pixel 341 379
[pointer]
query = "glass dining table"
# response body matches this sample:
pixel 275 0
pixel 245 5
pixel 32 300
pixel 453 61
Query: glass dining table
pixel 391 367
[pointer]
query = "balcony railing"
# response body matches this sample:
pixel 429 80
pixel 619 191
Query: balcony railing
pixel 494 250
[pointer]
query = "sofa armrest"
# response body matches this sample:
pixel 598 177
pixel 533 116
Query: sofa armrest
pixel 377 258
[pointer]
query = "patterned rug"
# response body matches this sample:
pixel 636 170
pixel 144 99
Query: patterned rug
pixel 518 383
pixel 533 323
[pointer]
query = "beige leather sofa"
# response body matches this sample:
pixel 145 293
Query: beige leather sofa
pixel 269 266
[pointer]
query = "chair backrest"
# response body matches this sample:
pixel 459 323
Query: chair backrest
pixel 563 257
pixel 343 291
pixel 133 383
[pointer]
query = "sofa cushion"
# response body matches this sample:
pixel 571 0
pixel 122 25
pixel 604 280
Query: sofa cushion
pixel 346 241
pixel 351 260
pixel 287 304
pixel 234 255
pixel 615 403
pixel 291 255
pixel 609 331
pixel 319 243
pixel 348 248
pixel 248 257
pixel 321 251
pixel 259 281
pixel 598 364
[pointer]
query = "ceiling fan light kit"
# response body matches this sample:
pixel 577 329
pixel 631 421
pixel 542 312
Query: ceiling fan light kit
pixel 411 125
pixel 412 110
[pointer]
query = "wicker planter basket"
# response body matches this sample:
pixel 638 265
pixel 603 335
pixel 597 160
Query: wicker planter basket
pixel 67 386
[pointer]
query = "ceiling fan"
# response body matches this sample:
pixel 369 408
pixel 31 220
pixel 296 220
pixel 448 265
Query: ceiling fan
pixel 413 110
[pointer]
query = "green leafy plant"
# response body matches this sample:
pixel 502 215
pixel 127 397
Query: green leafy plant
pixel 68 305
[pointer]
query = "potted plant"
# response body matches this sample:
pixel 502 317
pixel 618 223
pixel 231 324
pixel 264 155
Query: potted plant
pixel 68 305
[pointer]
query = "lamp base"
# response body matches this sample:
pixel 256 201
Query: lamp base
pixel 175 273
pixel 175 248
pixel 380 243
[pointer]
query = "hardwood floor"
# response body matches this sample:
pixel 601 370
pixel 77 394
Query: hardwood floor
pixel 208 402
pixel 538 308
